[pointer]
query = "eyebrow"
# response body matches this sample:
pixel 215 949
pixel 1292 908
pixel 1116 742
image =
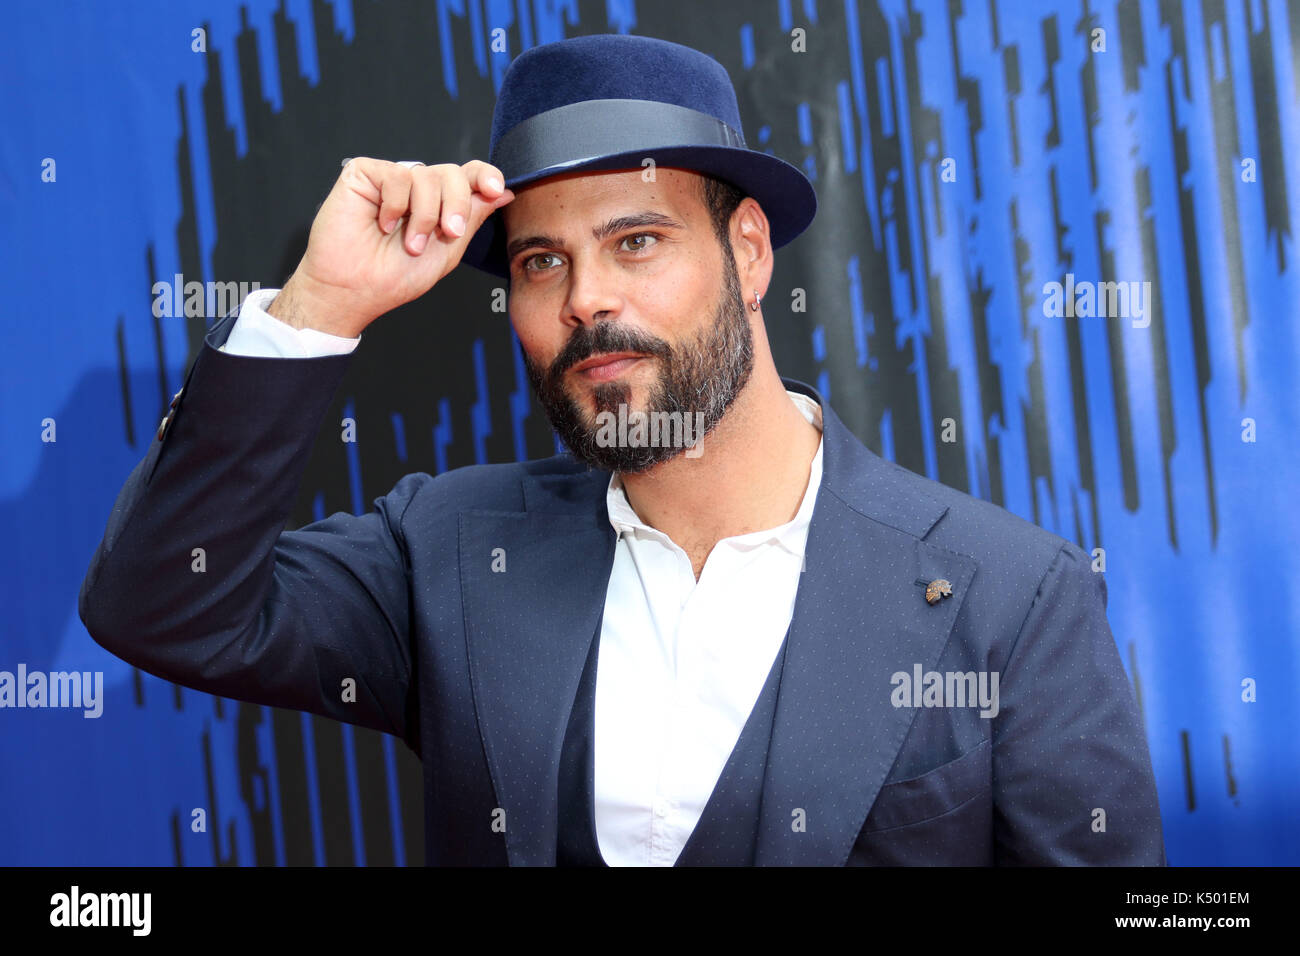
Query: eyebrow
pixel 636 220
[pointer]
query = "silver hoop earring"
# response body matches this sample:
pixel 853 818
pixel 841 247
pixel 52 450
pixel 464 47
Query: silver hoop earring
pixel 753 306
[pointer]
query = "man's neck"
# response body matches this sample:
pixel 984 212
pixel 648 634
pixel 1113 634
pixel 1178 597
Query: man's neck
pixel 751 474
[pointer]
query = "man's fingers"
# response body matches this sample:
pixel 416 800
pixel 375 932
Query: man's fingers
pixel 449 201
pixel 454 216
pixel 395 198
pixel 482 208
pixel 426 202
pixel 484 178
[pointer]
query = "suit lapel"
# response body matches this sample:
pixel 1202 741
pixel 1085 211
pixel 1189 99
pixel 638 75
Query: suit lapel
pixel 529 625
pixel 860 616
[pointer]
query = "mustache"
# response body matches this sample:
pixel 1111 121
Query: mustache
pixel 602 338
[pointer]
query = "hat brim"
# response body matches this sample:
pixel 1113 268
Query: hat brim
pixel 786 195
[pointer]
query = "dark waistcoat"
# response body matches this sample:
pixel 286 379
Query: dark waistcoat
pixel 727 832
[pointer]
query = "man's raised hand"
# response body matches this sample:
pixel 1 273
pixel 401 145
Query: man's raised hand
pixel 385 235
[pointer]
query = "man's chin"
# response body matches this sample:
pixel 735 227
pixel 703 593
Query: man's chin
pixel 627 461
pixel 631 440
pixel 596 397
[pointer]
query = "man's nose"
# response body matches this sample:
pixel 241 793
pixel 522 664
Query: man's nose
pixel 594 293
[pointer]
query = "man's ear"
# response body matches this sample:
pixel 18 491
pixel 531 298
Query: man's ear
pixel 751 236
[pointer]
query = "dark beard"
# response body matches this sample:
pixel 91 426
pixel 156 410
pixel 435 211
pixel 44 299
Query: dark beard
pixel 699 379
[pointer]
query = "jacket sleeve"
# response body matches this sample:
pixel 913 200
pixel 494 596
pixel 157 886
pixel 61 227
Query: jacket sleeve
pixel 195 580
pixel 1072 774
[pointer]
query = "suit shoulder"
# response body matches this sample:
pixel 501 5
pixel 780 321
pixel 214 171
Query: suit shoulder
pixel 1014 559
pixel 491 487
pixel 988 532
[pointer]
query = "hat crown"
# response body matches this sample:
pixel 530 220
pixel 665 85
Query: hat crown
pixel 619 102
pixel 612 67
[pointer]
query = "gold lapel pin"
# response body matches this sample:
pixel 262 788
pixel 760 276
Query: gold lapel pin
pixel 937 590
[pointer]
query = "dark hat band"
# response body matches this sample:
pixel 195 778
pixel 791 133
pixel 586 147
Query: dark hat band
pixel 580 132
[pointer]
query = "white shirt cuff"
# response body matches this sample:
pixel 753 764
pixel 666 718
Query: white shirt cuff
pixel 256 332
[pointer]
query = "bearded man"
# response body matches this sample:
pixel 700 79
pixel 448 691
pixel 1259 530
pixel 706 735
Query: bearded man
pixel 747 641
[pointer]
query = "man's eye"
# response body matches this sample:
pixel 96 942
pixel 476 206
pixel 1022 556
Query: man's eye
pixel 532 262
pixel 639 242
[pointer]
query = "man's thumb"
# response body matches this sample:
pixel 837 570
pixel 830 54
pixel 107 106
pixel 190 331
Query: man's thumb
pixel 480 209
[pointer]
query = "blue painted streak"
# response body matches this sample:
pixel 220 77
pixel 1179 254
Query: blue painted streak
pixel 500 16
pixel 863 322
pixel 551 17
pixel 621 15
pixel 399 435
pixel 357 495
pixel 478 37
pixel 394 801
pixel 481 411
pixel 354 795
pixel 525 24
pixel 313 787
pixel 804 113
pixel 442 435
pixel 445 50
pixel 848 147
pixel 519 399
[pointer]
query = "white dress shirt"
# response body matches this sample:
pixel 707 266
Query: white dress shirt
pixel 681 662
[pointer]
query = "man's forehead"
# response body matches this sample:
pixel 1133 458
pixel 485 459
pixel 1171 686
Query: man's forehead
pixel 586 196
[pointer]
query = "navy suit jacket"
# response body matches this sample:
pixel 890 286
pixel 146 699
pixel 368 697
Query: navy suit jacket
pixel 476 670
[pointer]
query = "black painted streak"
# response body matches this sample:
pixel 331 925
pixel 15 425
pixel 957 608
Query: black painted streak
pixel 291 764
pixel 1227 767
pixel 1132 47
pixel 1159 345
pixel 124 377
pixel 214 815
pixel 254 783
pixel 177 857
pixel 1270 164
pixel 160 355
pixel 1223 111
pixel 335 800
pixel 372 793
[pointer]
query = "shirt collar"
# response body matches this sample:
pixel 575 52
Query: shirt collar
pixel 793 535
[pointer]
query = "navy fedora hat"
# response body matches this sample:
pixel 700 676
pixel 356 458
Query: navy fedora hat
pixel 611 101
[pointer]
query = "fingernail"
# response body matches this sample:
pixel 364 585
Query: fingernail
pixel 418 242
pixel 495 183
pixel 390 225
pixel 456 224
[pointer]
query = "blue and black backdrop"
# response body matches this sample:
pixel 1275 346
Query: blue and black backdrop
pixel 967 155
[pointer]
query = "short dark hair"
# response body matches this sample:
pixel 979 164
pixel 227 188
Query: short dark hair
pixel 721 199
